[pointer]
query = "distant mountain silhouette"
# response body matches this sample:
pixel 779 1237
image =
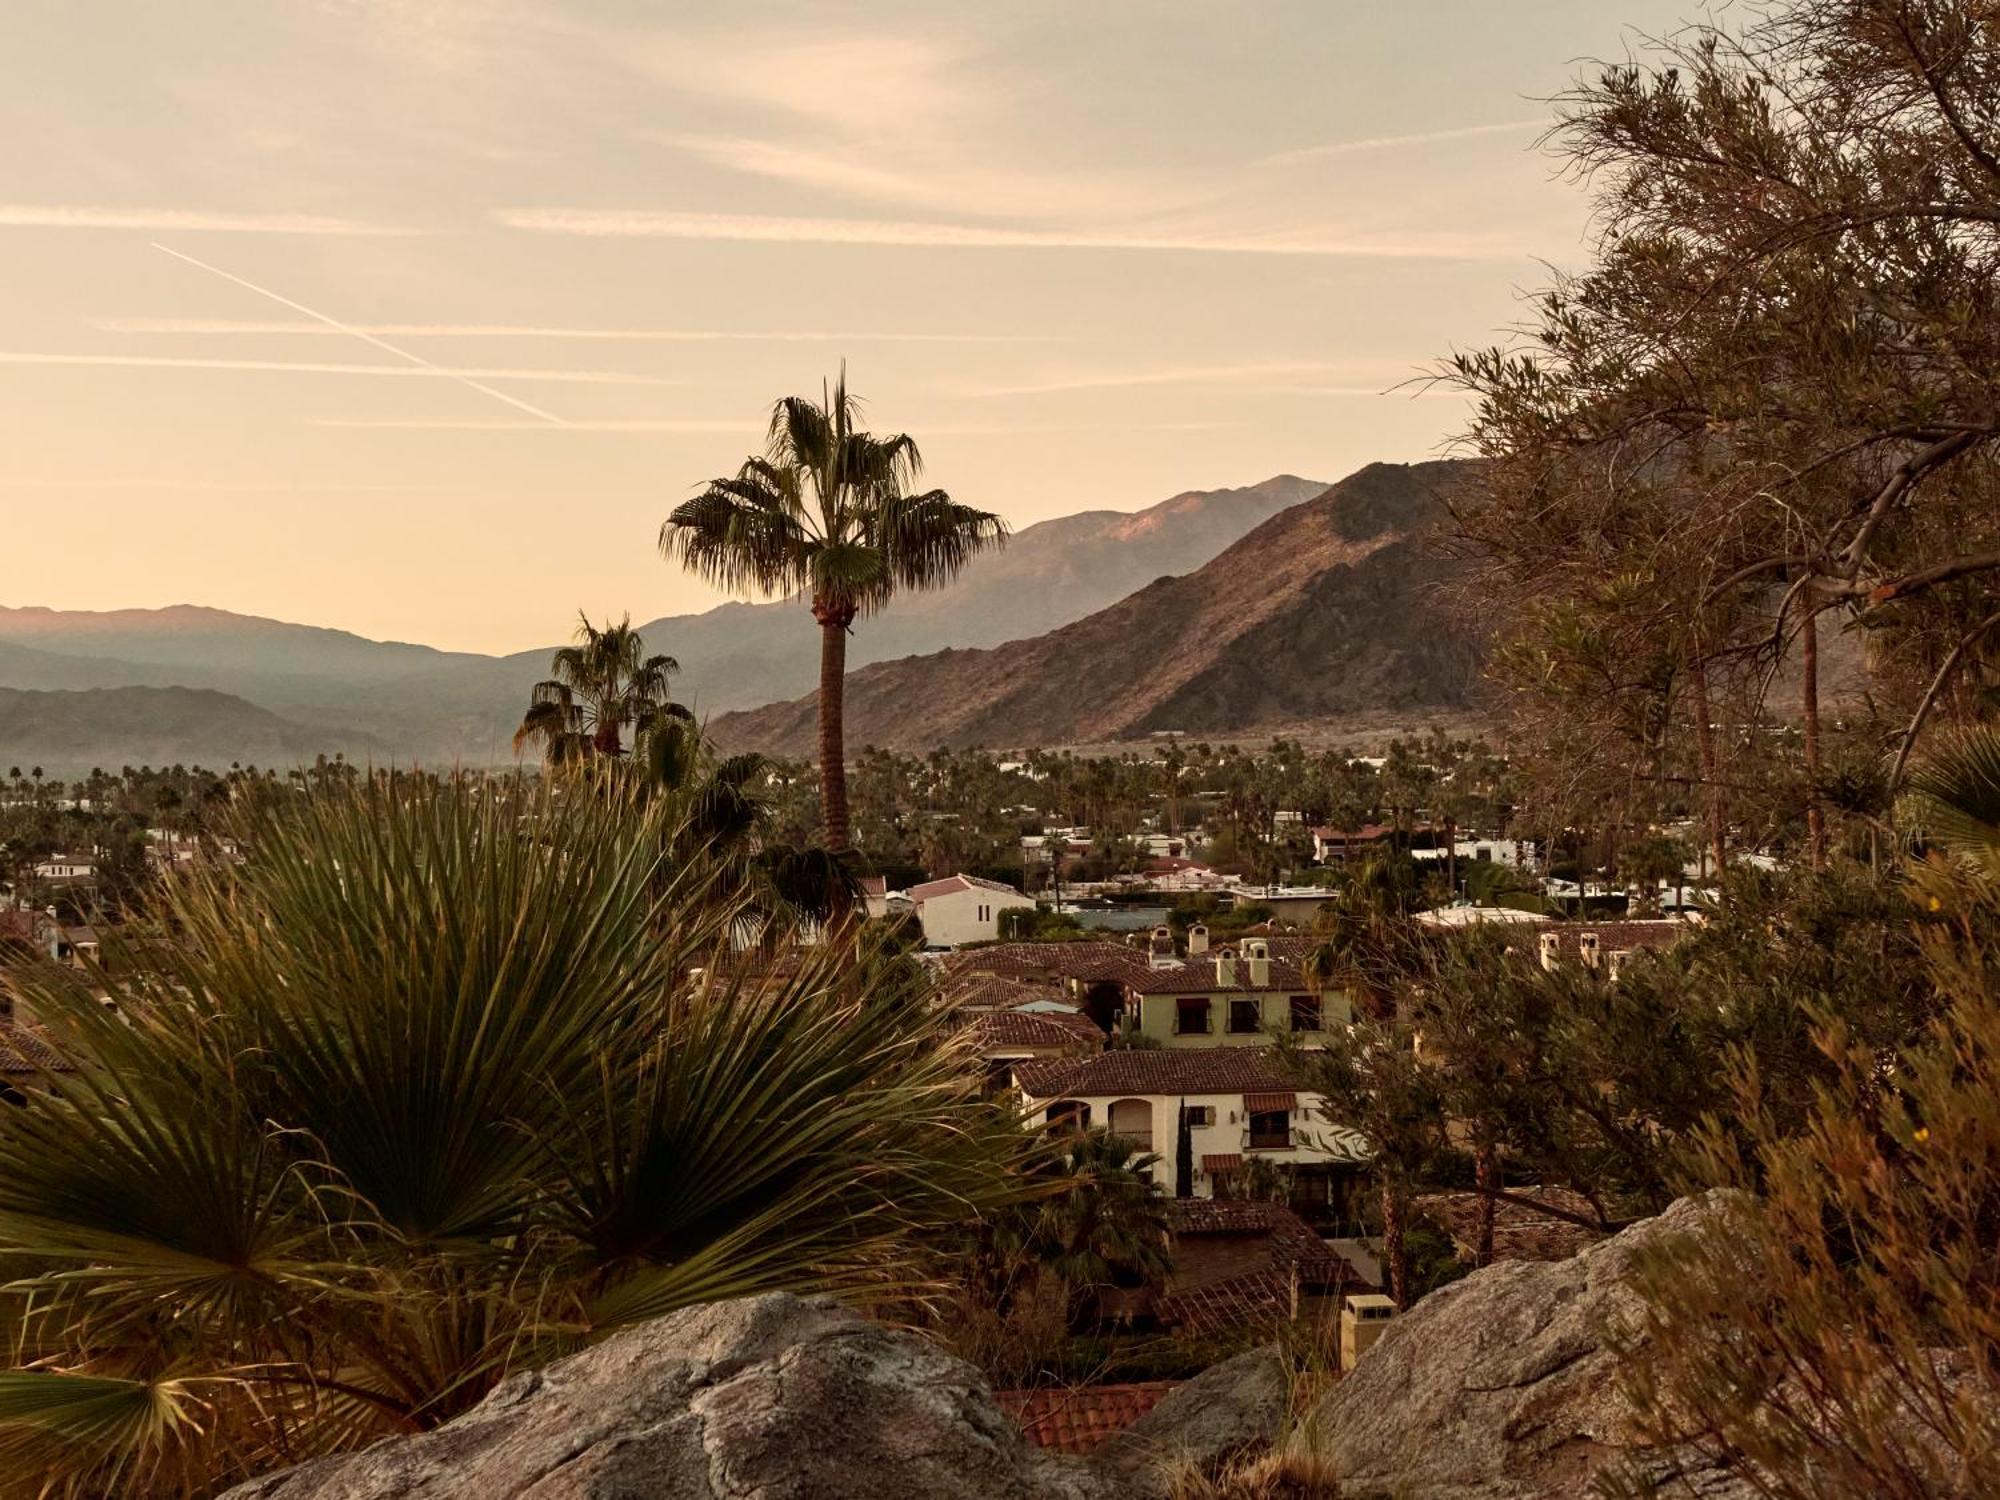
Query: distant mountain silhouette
pixel 1325 610
pixel 418 703
pixel 69 733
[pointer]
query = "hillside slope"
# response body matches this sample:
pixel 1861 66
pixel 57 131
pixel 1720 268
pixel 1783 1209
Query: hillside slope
pixel 441 706
pixel 70 732
pixel 1326 609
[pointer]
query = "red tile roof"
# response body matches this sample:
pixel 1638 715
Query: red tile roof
pixel 985 992
pixel 1199 976
pixel 1076 1419
pixel 1298 1261
pixel 1034 1028
pixel 1253 1300
pixel 1149 1070
pixel 23 1052
pixel 1090 960
pixel 952 883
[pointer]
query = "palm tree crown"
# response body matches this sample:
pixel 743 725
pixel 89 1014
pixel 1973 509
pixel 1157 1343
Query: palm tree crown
pixel 595 689
pixel 828 512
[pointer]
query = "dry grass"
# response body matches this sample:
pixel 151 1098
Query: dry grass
pixel 1291 1473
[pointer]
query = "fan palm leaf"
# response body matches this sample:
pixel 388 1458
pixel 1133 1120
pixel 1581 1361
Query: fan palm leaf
pixel 1956 794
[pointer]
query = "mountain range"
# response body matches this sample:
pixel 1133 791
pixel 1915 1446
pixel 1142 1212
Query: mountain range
pixel 1329 609
pixel 330 690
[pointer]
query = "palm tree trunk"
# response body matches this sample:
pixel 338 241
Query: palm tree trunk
pixel 1395 1254
pixel 1809 709
pixel 833 623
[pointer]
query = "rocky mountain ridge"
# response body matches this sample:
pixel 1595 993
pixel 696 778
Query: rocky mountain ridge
pixel 1330 607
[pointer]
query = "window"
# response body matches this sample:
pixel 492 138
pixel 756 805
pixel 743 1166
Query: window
pixel 985 913
pixel 1305 1013
pixel 1191 1016
pixel 1244 1016
pixel 1271 1130
pixel 1200 1116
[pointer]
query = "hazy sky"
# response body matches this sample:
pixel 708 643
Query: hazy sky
pixel 415 316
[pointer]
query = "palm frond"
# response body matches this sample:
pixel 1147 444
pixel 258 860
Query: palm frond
pixel 1955 793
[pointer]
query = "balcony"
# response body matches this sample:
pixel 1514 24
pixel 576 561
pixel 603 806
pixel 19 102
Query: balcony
pixel 1270 1140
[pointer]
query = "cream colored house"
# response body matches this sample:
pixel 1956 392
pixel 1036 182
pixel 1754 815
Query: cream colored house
pixel 963 909
pixel 1239 1107
pixel 1230 999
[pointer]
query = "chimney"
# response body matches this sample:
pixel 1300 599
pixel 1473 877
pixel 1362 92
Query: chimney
pixel 1551 950
pixel 1586 947
pixel 1259 953
pixel 1197 940
pixel 1225 967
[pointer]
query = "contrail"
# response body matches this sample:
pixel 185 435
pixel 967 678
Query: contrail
pixel 365 337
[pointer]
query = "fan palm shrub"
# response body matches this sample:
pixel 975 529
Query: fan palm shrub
pixel 826 512
pixel 442 1080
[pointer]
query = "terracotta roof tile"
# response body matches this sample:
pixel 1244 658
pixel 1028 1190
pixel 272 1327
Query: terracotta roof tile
pixel 1199 977
pixel 1054 961
pixel 954 883
pixel 1133 1070
pixel 986 992
pixel 23 1052
pixel 1076 1419
pixel 1031 1028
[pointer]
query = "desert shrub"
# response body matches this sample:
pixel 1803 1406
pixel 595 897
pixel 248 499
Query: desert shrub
pixel 440 1082
pixel 1835 1322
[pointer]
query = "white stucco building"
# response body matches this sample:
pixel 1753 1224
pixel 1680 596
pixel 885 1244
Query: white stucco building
pixel 963 909
pixel 1239 1107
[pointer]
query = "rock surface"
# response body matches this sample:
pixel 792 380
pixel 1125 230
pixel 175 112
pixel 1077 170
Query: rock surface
pixel 771 1398
pixel 1238 1406
pixel 1499 1387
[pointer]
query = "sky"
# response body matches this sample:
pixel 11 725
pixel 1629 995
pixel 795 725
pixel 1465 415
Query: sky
pixel 415 317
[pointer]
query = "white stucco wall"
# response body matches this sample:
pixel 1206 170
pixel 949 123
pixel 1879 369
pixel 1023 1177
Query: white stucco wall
pixel 970 916
pixel 1229 1135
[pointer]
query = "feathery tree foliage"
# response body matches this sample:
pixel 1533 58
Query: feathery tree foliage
pixel 1833 1321
pixel 827 513
pixel 596 689
pixel 440 1081
pixel 1768 413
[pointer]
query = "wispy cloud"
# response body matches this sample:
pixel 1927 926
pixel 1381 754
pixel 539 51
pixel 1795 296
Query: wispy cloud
pixel 749 430
pixel 1394 142
pixel 776 229
pixel 159 220
pixel 1256 374
pixel 534 331
pixel 306 367
pixel 470 382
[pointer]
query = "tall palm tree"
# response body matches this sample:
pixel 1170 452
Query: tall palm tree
pixel 595 689
pixel 826 513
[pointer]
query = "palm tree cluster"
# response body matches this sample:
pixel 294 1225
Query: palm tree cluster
pixel 440 1081
pixel 597 688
